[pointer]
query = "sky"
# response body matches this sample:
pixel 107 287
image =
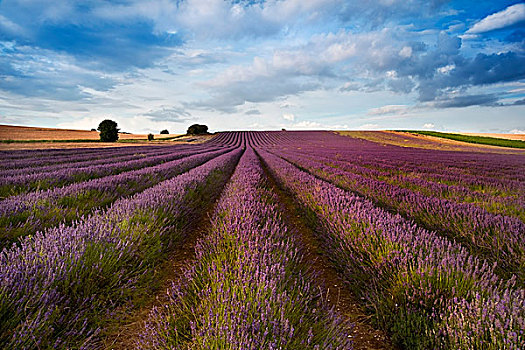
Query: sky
pixel 264 65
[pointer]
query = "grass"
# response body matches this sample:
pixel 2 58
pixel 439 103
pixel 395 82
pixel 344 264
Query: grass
pixel 112 266
pixel 170 138
pixel 483 140
pixel 248 273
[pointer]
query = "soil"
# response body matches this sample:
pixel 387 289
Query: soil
pixel 183 255
pixel 171 271
pixel 334 290
pixel 365 336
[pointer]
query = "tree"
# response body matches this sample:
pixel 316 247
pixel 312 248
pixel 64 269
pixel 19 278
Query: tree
pixel 108 131
pixel 197 129
pixel 150 137
pixel 164 132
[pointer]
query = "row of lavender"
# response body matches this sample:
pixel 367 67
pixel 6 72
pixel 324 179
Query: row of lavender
pixel 465 184
pixel 12 185
pixel 460 184
pixel 476 171
pixel 82 159
pixel 50 154
pixel 60 287
pixel 427 291
pixel 75 155
pixel 495 237
pixel 24 214
pixel 478 199
pixel 247 289
pixel 54 155
pixel 462 167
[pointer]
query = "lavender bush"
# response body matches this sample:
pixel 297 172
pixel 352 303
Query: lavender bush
pixel 247 289
pixel 25 214
pixel 88 251
pixel 59 286
pixel 12 185
pixel 495 237
pixel 411 278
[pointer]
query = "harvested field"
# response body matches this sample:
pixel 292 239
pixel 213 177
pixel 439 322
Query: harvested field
pixel 52 138
pixel 22 133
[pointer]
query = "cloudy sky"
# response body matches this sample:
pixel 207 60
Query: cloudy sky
pixel 241 64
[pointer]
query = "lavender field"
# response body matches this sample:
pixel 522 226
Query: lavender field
pixel 262 240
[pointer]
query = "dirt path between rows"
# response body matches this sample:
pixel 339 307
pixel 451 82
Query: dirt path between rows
pixel 332 287
pixel 500 269
pixel 125 334
pixel 182 256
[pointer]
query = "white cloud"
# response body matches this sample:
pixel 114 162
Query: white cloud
pixel 517 131
pixel 468 36
pixel 306 124
pixel 219 19
pixel 287 104
pixel 511 15
pixel 320 56
pixel 369 127
pixel 289 116
pixel 86 123
pixel 320 63
pixel 429 126
pixel 406 52
pixel 267 57
pixel 350 86
pixel 9 26
pixel 253 112
pixel 456 27
pixel 446 69
pixel 311 125
pixel 168 113
pixel 389 109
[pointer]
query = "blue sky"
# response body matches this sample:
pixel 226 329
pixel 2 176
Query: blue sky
pixel 259 65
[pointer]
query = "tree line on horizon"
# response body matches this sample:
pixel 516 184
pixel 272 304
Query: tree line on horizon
pixel 109 131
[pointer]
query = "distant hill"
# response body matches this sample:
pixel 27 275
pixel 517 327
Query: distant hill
pixel 26 133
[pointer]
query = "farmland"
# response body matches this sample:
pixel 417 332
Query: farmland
pixel 263 240
pixel 26 133
pixel 23 137
pixel 494 141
